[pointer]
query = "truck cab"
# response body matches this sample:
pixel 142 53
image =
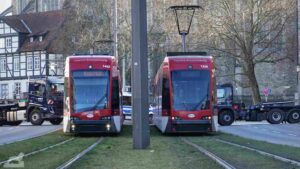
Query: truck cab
pixel 225 94
pixel 228 110
pixel 45 101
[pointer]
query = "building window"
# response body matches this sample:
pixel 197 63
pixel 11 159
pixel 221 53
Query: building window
pixel 6 29
pixel 3 65
pixel 17 90
pixel 4 91
pixel 31 39
pixel 50 5
pixel 1 28
pixel 16 64
pixel 2 43
pixel 8 43
pixel 37 63
pixel 29 63
pixel 40 38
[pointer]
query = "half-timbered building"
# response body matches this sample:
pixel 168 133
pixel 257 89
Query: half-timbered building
pixel 28 50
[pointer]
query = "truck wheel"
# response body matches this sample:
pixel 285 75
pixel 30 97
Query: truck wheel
pixel 226 118
pixel 294 116
pixel 14 123
pixel 36 118
pixel 56 121
pixel 275 116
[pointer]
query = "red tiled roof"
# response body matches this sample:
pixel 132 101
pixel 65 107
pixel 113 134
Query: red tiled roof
pixel 36 24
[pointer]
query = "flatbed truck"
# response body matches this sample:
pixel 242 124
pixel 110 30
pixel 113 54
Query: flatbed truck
pixel 44 102
pixel 274 113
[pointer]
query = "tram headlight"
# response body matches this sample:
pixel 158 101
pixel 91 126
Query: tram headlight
pixel 108 127
pixel 73 127
pixel 75 118
pixel 176 118
pixel 106 118
pixel 206 118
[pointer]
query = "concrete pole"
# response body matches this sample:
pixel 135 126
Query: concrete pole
pixel 139 74
pixel 123 74
pixel 183 42
pixel 116 29
pixel 297 95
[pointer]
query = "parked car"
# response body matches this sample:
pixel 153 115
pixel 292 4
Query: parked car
pixel 127 107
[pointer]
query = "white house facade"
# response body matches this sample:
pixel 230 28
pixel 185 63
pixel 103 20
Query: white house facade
pixel 27 51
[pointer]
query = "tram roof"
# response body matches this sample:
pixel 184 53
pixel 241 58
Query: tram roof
pixel 189 55
pixel 92 56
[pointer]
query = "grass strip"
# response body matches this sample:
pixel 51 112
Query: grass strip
pixel 238 157
pixel 54 157
pixel 285 151
pixel 165 152
pixel 30 145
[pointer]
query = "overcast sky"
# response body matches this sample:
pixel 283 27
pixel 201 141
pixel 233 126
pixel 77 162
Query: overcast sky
pixel 4 4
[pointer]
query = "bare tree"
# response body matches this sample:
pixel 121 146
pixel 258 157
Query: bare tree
pixel 86 22
pixel 251 32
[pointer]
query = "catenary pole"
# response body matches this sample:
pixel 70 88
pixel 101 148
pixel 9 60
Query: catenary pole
pixel 141 133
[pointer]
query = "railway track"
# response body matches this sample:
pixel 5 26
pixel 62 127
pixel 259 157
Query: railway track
pixel 219 160
pixel 226 165
pixel 81 154
pixel 283 159
pixel 35 152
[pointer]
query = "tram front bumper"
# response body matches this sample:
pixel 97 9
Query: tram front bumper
pixel 189 126
pixel 93 126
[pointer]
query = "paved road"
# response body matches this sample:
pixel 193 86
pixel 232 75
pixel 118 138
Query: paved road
pixel 10 134
pixel 286 134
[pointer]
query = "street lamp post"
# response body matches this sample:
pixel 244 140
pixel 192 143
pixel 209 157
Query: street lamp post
pixel 184 17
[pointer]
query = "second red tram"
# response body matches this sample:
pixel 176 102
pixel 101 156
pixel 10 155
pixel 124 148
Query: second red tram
pixel 184 92
pixel 92 95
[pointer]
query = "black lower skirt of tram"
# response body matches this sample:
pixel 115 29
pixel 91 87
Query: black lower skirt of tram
pixel 93 126
pixel 189 126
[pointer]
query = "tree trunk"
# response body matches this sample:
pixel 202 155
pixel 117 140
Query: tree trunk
pixel 253 84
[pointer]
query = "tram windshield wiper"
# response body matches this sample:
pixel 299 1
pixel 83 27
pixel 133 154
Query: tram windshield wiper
pixel 99 101
pixel 200 103
pixel 185 105
pixel 203 101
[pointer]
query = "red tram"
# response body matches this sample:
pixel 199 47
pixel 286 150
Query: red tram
pixel 92 95
pixel 184 92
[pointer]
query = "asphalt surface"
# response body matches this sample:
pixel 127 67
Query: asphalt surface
pixel 285 134
pixel 10 134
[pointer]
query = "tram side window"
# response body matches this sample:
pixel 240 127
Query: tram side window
pixel 115 94
pixel 165 94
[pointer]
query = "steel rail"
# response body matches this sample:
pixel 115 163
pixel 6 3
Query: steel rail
pixel 219 160
pixel 78 156
pixel 283 159
pixel 35 152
